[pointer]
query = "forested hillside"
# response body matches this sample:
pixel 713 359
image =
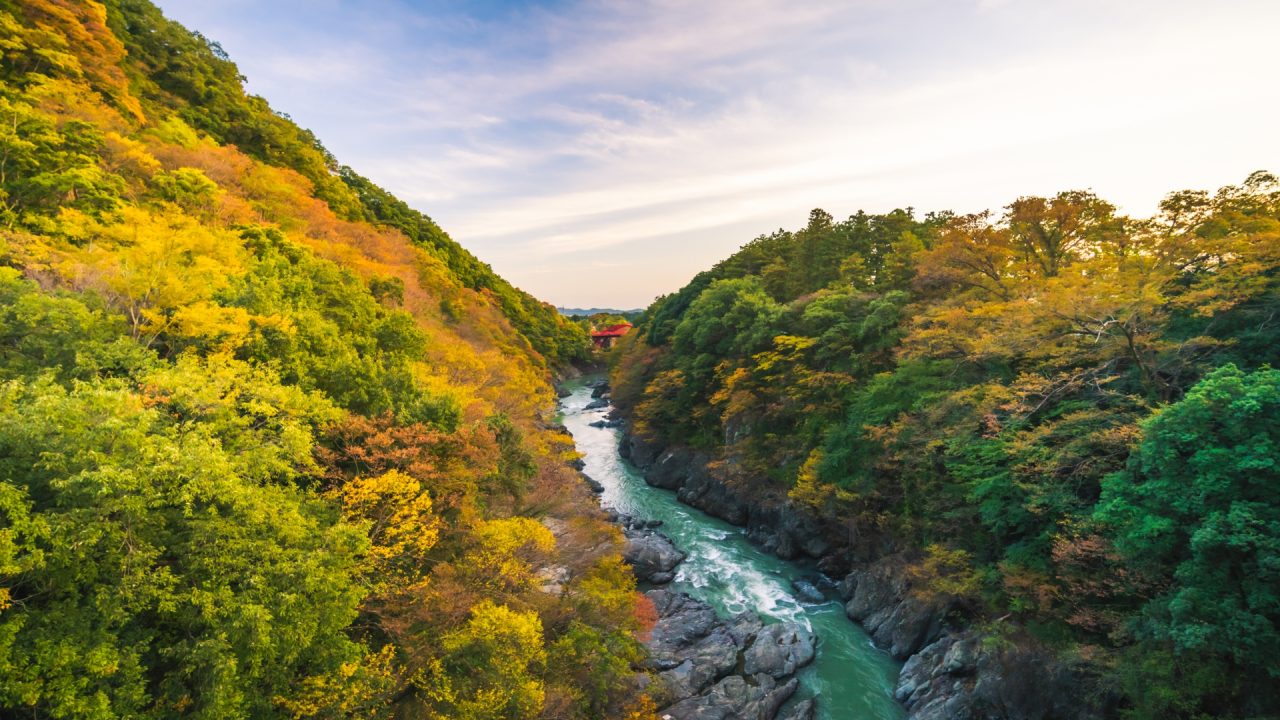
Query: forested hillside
pixel 1073 416
pixel 271 443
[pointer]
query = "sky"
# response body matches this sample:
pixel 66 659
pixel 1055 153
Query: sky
pixel 601 153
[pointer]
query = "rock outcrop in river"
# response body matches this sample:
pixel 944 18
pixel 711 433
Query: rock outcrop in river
pixel 715 668
pixel 708 667
pixel 651 555
pixel 712 668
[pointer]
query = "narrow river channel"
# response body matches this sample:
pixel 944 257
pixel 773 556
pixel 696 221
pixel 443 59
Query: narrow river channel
pixel 852 679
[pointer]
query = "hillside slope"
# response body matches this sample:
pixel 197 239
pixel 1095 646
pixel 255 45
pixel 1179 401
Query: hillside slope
pixel 1064 420
pixel 271 443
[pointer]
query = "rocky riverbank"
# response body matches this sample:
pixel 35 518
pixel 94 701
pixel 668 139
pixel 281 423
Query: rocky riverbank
pixel 711 667
pixel 950 671
pixel 707 666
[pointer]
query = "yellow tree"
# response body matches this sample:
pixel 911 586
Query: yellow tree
pixel 160 270
pixel 402 525
pixel 489 669
pixel 503 553
pixel 970 254
pixel 1051 232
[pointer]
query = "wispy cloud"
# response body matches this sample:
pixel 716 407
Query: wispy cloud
pixel 653 138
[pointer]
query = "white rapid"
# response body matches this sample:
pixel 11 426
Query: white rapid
pixel 851 678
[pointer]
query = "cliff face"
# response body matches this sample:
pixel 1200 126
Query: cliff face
pixel 951 669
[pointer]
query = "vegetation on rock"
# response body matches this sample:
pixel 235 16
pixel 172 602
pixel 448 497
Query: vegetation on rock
pixel 1070 412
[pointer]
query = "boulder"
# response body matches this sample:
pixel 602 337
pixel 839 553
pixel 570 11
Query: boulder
pixel 629 522
pixel 639 451
pixel 880 599
pixel 707 667
pixel 709 494
pixel 956 677
pixel 802 710
pixel 807 592
pixel 743 627
pixel 682 681
pixel 786 531
pixel 779 650
pixel 689 645
pixel 669 470
pixel 734 698
pixel 681 619
pixel 961 657
pixel 835 564
pixel 651 554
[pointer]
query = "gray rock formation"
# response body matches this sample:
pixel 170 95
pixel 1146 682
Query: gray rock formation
pixel 736 669
pixel 807 591
pixel 802 710
pixel 779 650
pixel 639 451
pixel 880 599
pixel 652 555
pixel 957 677
pixel 770 523
pixel 735 698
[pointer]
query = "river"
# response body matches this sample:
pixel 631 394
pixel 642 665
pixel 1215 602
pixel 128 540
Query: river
pixel 851 678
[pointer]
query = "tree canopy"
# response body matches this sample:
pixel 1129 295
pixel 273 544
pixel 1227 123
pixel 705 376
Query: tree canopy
pixel 271 443
pixel 1074 405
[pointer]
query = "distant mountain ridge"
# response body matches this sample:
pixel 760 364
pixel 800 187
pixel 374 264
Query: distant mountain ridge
pixel 584 312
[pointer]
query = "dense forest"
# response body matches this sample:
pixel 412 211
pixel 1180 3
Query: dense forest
pixel 1071 415
pixel 271 443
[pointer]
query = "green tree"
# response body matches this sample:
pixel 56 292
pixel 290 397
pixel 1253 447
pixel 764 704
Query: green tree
pixel 1200 501
pixel 732 318
pixel 145 576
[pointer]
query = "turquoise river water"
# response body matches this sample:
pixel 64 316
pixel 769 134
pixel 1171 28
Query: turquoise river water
pixel 852 679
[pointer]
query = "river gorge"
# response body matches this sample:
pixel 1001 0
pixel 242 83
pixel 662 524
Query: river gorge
pixel 849 677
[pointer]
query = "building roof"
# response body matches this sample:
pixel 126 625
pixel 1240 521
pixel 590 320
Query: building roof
pixel 612 331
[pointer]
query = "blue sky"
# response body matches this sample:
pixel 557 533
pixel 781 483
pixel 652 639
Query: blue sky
pixel 600 153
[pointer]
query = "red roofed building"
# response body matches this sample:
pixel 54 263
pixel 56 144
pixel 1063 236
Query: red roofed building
pixel 604 338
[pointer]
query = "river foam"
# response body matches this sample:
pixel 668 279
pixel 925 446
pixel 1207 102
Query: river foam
pixel 851 678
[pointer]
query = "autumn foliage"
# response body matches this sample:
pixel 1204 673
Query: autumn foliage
pixel 271 443
pixel 1042 403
